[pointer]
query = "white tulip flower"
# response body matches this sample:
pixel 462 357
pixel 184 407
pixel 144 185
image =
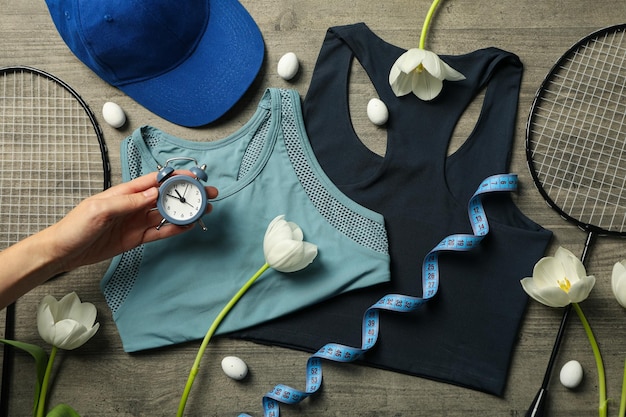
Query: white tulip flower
pixel 68 323
pixel 559 280
pixel 284 247
pixel 618 282
pixel 421 72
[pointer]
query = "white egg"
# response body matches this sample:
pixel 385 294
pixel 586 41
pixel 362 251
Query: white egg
pixel 288 66
pixel 234 367
pixel 113 114
pixel 571 374
pixel 377 112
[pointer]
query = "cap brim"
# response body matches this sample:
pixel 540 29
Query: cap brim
pixel 221 69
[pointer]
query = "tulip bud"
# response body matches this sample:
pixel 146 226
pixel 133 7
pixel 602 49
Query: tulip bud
pixel 618 282
pixel 284 247
pixel 421 72
pixel 68 323
pixel 559 280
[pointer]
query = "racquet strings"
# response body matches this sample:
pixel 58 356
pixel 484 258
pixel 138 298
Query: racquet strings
pixel 576 134
pixel 52 153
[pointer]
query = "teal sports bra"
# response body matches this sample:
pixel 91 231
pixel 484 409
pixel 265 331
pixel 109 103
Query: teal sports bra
pixel 170 291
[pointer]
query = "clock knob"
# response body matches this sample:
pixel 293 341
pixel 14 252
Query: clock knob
pixel 199 172
pixel 164 173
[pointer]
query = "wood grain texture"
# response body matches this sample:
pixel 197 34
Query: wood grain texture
pixel 99 379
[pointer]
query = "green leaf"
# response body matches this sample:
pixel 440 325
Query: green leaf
pixel 41 361
pixel 62 410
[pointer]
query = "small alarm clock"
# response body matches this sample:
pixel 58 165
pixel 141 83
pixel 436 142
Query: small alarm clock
pixel 182 198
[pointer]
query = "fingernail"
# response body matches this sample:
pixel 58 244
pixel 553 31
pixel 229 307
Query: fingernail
pixel 150 192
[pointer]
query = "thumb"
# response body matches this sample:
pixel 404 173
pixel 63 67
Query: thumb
pixel 151 194
pixel 132 202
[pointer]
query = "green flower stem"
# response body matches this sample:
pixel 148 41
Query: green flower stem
pixel 622 404
pixel 602 407
pixel 429 17
pixel 41 404
pixel 209 334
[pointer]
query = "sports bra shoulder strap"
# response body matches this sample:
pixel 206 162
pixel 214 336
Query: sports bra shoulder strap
pixel 374 54
pixel 487 151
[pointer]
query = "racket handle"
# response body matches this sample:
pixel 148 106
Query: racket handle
pixel 538 405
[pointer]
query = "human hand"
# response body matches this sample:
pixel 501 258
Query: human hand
pixel 111 222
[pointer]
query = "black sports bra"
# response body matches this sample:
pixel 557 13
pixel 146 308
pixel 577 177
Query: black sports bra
pixel 466 333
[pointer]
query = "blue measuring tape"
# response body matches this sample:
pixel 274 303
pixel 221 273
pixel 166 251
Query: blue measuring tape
pixel 392 302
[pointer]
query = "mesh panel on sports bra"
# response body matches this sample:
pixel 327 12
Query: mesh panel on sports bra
pixel 255 147
pixel 360 229
pixel 123 281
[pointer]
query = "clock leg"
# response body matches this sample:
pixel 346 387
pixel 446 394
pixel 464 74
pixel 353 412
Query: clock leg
pixel 161 224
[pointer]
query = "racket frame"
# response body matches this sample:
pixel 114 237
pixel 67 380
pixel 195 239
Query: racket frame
pixel 537 406
pixel 7 362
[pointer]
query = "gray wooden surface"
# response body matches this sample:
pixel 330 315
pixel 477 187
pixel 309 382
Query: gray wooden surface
pixel 99 379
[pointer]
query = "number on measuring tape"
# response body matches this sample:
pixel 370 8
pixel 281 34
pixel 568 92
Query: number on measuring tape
pixel 392 302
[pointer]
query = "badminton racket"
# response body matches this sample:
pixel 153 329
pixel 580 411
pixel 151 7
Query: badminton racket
pixel 52 156
pixel 576 146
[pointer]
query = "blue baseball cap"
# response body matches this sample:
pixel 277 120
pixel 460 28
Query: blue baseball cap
pixel 187 61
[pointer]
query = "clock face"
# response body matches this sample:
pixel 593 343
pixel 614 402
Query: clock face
pixel 182 200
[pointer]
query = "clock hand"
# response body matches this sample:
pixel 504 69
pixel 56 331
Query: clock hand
pixel 173 196
pixel 181 197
